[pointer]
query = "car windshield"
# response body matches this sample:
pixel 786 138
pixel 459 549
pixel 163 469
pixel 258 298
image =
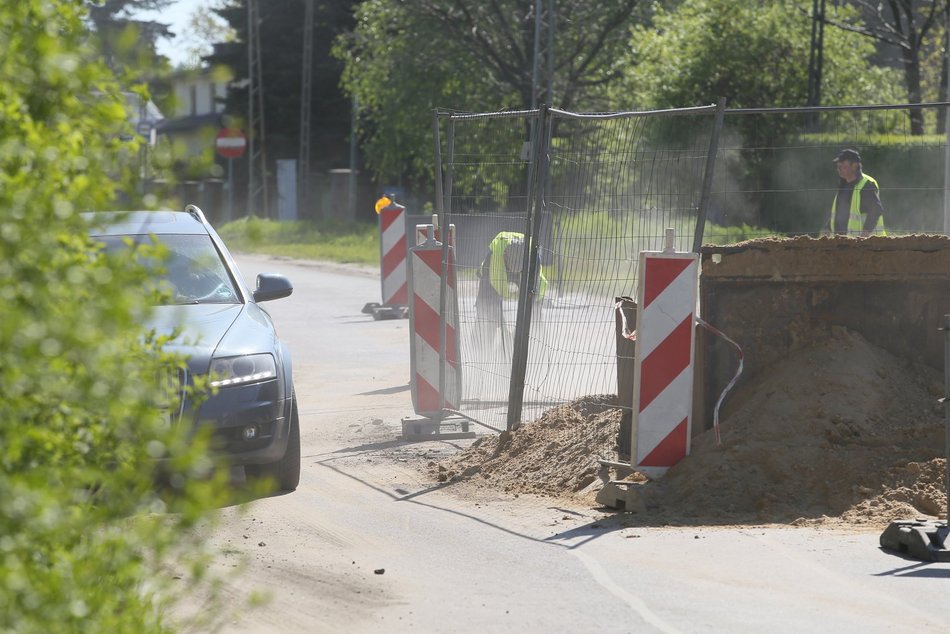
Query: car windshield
pixel 192 272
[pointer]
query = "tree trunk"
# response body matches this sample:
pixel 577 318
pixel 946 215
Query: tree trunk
pixel 911 59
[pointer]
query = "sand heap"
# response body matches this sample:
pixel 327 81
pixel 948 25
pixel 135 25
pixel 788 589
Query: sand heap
pixel 841 431
pixel 556 454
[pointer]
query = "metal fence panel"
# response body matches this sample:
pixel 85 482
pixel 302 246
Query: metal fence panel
pixel 604 187
pixel 590 191
pixel 486 169
pixel 775 176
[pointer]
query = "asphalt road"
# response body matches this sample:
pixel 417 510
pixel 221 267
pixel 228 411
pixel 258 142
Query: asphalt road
pixel 368 544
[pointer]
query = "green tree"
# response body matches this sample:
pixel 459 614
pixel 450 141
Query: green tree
pixel 128 43
pixel 905 25
pixel 755 54
pixel 404 59
pixel 85 538
pixel 204 29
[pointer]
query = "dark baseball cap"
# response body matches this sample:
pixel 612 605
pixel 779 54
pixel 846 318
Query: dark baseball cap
pixel 848 155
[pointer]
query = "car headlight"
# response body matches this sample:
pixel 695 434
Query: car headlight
pixel 250 368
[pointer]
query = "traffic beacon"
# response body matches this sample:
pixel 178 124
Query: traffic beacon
pixel 392 260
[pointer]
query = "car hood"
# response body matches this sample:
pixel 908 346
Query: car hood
pixel 201 328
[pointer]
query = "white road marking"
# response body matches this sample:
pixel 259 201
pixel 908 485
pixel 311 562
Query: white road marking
pixel 600 576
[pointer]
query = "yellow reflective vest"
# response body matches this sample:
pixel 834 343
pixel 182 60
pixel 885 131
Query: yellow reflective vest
pixel 498 273
pixel 855 219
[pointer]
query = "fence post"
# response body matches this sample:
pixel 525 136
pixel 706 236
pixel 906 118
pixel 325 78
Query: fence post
pixel 625 321
pixel 529 272
pixel 708 176
pixel 438 163
pixel 946 405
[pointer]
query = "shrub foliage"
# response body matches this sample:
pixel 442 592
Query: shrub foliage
pixel 86 538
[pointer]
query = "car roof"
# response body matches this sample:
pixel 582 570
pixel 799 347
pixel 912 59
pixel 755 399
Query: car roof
pixel 115 223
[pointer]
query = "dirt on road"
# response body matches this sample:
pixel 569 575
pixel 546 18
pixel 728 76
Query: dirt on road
pixel 842 433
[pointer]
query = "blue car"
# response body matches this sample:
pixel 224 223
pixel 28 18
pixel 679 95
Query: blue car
pixel 225 335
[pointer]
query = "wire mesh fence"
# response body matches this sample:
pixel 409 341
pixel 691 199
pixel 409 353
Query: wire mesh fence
pixel 589 192
pixel 774 174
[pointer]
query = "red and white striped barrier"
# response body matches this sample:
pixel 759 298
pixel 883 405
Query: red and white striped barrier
pixel 663 372
pixel 425 323
pixel 392 245
pixel 422 234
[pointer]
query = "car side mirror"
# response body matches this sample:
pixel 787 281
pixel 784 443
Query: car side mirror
pixel 272 286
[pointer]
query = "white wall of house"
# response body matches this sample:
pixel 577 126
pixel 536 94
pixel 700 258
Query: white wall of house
pixel 197 95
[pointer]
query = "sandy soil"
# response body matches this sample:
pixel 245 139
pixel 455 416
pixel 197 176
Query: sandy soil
pixel 840 434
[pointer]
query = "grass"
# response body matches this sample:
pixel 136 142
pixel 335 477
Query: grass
pixel 358 242
pixel 353 242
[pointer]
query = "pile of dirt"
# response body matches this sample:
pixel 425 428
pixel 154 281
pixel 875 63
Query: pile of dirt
pixel 841 431
pixel 556 454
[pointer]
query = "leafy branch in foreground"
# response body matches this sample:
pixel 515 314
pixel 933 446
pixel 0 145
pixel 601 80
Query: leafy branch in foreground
pixel 86 536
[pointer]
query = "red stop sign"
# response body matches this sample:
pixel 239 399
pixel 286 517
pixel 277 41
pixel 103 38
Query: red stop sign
pixel 230 143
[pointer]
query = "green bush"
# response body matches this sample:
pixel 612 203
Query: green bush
pixel 85 535
pixel 790 187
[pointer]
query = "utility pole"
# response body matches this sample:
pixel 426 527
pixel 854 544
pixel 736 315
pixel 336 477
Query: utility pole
pixel 306 90
pixel 351 183
pixel 534 56
pixel 946 159
pixel 539 26
pixel 550 97
pixel 816 57
pixel 257 197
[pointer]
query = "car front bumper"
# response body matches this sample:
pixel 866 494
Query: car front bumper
pixel 249 423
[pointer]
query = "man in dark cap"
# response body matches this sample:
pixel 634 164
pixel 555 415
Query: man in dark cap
pixel 857 208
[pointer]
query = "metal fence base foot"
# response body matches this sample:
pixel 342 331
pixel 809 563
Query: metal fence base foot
pixel 381 311
pixel 920 539
pixel 390 312
pixel 431 429
pixel 623 496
